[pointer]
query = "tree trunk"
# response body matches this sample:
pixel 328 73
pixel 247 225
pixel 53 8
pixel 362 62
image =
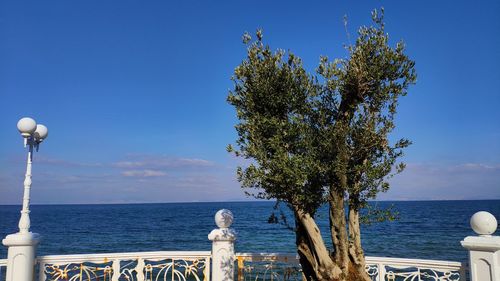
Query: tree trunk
pixel 348 253
pixel 356 254
pixel 315 259
pixel 338 230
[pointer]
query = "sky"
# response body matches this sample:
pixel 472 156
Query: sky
pixel 134 93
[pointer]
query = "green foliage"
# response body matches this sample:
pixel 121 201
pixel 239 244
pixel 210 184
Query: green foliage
pixel 309 135
pixel 272 100
pixel 283 218
pixel 374 214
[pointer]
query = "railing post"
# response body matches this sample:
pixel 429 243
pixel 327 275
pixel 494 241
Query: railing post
pixel 116 270
pixel 484 249
pixel 21 256
pixel 223 247
pixel 41 272
pixel 381 272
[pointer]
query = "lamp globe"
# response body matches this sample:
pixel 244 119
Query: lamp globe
pixel 41 132
pixel 26 126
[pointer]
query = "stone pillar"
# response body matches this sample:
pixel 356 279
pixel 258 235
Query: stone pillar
pixel 223 247
pixel 21 255
pixel 484 249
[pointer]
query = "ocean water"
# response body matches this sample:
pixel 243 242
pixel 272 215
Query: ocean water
pixel 425 229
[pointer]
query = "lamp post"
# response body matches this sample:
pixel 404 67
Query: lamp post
pixel 22 245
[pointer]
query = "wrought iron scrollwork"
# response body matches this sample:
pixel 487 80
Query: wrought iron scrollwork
pixel 131 270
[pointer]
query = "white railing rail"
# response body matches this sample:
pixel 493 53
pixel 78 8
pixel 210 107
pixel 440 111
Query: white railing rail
pixel 58 259
pixel 257 257
pixel 273 265
pixel 137 266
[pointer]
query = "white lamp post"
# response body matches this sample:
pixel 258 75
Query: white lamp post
pixel 22 245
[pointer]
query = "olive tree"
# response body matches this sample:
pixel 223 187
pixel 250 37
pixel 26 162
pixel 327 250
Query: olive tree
pixel 322 138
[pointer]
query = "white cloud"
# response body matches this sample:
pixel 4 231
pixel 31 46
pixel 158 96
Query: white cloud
pixel 137 178
pixel 64 162
pixel 134 161
pixel 143 173
pixel 149 161
pixel 475 167
pixel 445 182
pixel 151 178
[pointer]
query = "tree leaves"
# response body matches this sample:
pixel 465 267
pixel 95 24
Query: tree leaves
pixel 311 134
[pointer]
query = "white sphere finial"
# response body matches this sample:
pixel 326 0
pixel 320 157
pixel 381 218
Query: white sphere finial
pixel 41 132
pixel 26 126
pixel 483 223
pixel 224 218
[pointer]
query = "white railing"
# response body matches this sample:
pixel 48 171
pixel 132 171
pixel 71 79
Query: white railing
pixel 267 266
pixel 277 266
pixel 191 265
pixel 3 269
pixel 414 269
pixel 137 266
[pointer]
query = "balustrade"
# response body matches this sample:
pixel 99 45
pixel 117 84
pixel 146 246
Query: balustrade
pixel 265 266
pixel 195 266
pixel 139 266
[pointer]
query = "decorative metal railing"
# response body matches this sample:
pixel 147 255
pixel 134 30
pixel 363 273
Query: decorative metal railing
pixel 267 266
pixel 140 266
pixel 395 269
pixel 260 267
pixel 195 266
pixel 3 269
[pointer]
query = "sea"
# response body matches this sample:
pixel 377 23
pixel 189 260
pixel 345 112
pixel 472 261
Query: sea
pixel 424 229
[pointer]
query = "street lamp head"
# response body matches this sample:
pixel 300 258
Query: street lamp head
pixel 41 132
pixel 26 126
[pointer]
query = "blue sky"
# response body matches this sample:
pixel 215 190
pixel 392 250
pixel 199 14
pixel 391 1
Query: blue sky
pixel 133 93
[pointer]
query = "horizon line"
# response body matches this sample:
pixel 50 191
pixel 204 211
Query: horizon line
pixel 235 201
